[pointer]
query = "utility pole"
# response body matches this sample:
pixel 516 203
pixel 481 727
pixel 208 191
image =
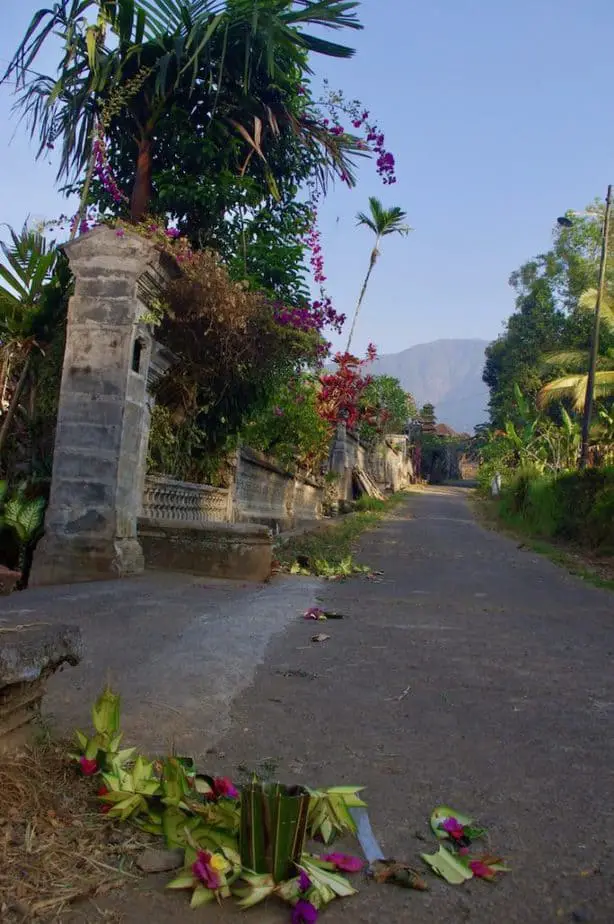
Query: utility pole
pixel 590 383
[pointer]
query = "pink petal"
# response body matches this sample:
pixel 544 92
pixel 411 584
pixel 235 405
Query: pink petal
pixel 344 862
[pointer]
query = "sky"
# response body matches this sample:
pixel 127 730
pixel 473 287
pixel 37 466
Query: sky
pixel 499 116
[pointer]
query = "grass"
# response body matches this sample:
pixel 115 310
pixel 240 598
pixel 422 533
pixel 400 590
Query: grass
pixel 329 551
pixel 55 847
pixel 595 570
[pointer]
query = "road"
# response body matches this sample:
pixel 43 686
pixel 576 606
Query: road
pixel 474 674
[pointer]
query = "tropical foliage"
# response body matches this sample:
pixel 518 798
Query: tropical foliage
pixel 382 222
pixel 229 64
pixel 386 409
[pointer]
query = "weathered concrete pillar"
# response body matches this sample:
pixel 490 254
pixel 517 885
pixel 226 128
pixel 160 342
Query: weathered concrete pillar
pixel 339 462
pixel 91 521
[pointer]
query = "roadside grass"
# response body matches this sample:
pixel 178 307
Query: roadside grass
pixel 329 550
pixel 597 570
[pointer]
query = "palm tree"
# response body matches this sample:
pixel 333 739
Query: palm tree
pixel 24 284
pixel 381 222
pixel 229 61
pixel 572 385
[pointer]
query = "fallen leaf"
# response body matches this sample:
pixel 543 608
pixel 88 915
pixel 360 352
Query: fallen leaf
pixel 320 638
pixel 446 865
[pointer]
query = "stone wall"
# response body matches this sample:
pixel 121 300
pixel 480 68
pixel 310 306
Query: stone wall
pixel 389 463
pixel 265 493
pixel 167 499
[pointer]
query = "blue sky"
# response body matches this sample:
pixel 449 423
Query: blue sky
pixel 499 115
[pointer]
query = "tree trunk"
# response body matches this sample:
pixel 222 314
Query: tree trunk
pixel 10 413
pixel 141 193
pixel 372 263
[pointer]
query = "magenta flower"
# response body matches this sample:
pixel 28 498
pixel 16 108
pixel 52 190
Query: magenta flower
pixel 304 882
pixel 453 827
pixel 304 912
pixel 203 871
pixel 88 767
pixel 223 788
pixel 173 233
pixel 345 862
pixel 278 412
pixel 120 232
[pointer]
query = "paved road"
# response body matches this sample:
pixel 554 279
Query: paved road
pixel 474 674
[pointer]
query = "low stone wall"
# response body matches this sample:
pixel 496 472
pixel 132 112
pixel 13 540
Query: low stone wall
pixel 167 499
pixel 265 493
pixel 223 550
pixel 389 463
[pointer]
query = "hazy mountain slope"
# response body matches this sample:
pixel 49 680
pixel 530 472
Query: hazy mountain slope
pixel 448 373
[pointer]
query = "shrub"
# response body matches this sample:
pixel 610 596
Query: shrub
pixel 577 506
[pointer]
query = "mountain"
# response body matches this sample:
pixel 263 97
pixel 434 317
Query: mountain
pixel 448 374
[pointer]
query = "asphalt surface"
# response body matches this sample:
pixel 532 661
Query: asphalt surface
pixel 474 674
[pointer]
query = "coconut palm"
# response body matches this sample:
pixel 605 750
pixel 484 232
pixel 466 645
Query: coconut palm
pixel 572 385
pixel 382 222
pixel 24 321
pixel 226 62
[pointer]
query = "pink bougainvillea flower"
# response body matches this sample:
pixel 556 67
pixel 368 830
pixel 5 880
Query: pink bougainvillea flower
pixel 482 870
pixel 120 232
pixel 173 233
pixel 304 913
pixel 223 788
pixel 88 767
pixel 463 851
pixel 345 862
pixel 203 871
pixel 454 828
pixel 304 882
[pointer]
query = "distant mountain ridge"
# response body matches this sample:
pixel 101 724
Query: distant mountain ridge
pixel 448 374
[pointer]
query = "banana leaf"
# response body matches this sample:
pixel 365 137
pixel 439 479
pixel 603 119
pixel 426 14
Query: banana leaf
pixel 273 828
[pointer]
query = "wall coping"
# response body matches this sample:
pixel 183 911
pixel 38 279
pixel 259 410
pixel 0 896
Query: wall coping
pixel 222 530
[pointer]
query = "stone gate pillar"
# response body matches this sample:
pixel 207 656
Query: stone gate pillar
pixel 91 521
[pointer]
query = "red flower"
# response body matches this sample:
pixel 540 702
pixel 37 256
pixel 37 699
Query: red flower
pixel 481 870
pixel 452 827
pixel 223 788
pixel 88 767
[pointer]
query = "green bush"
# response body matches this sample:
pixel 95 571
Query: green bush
pixel 577 506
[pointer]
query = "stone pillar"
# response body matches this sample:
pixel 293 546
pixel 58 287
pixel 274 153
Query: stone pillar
pixel 91 521
pixel 339 463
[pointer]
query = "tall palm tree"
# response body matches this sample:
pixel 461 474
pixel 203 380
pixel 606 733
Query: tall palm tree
pixel 573 384
pixel 382 222
pixel 223 60
pixel 24 282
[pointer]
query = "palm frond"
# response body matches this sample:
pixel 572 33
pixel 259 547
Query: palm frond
pixel 383 221
pixel 567 387
pixel 573 360
pixel 588 301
